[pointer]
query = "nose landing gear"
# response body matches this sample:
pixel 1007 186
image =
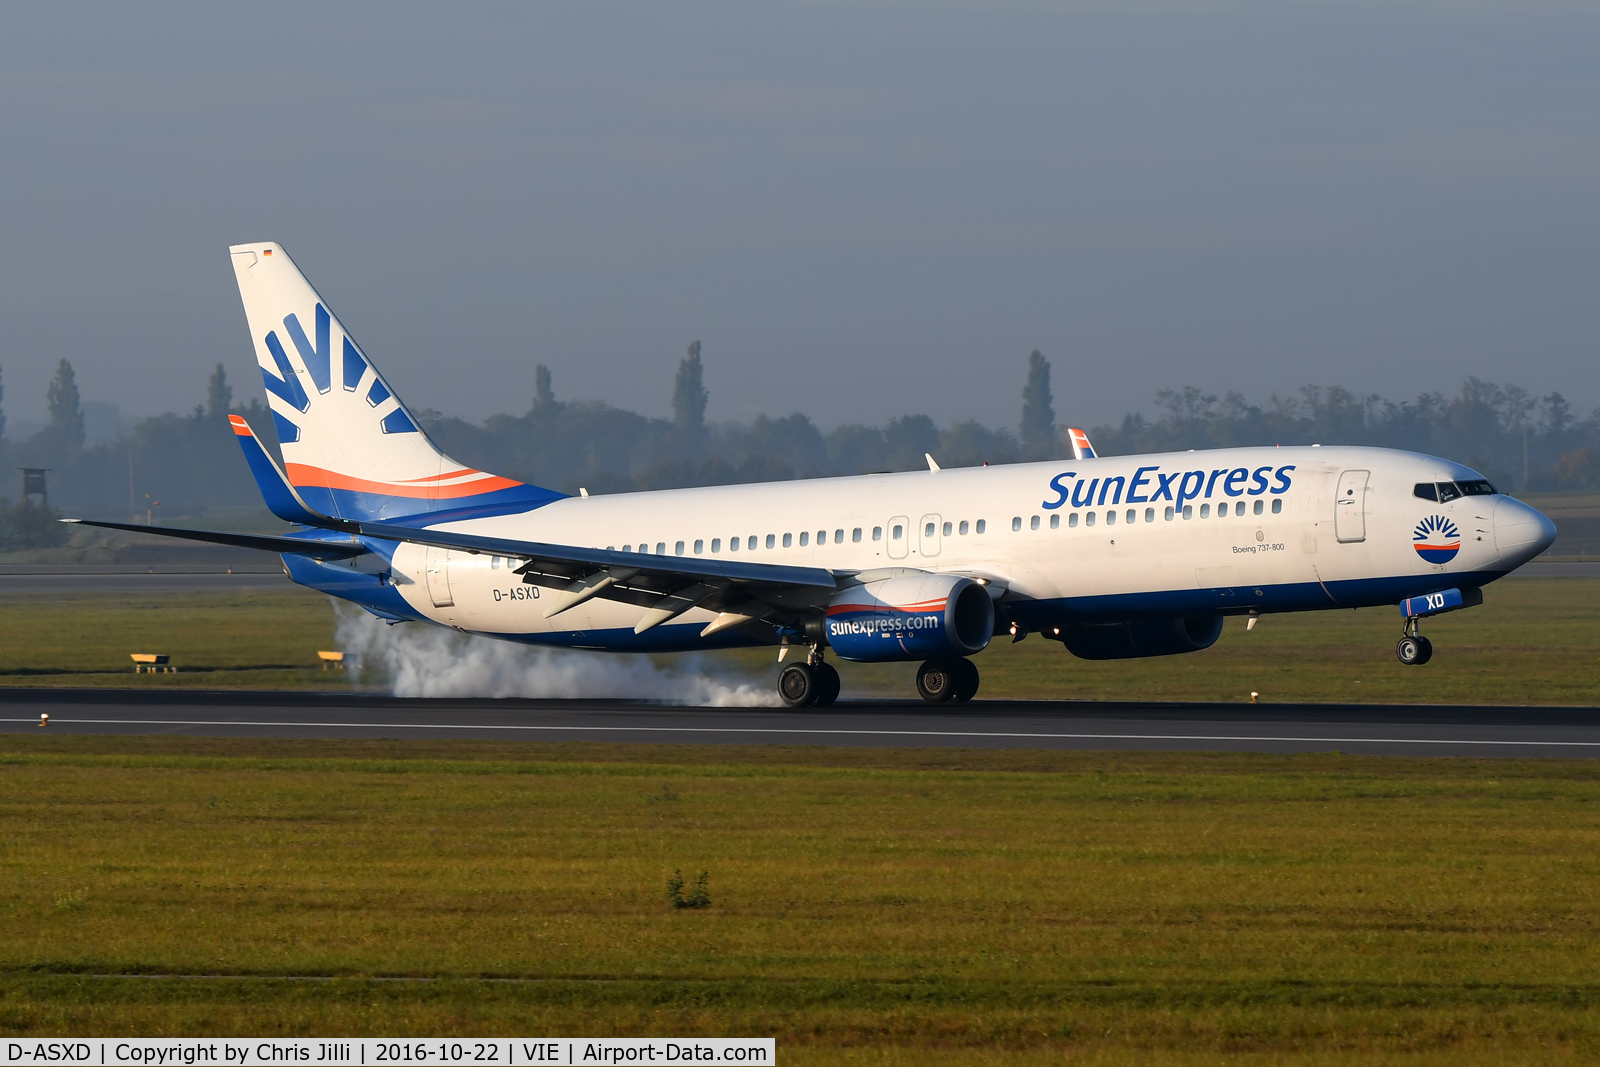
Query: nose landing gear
pixel 1413 649
pixel 812 684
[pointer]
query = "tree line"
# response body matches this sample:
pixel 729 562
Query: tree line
pixel 178 465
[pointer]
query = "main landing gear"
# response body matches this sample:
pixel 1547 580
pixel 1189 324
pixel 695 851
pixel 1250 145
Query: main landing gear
pixel 941 680
pixel 812 684
pixel 1413 649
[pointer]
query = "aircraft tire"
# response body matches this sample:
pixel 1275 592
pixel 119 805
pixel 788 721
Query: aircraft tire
pixel 967 680
pixel 827 685
pixel 797 685
pixel 1413 651
pixel 936 680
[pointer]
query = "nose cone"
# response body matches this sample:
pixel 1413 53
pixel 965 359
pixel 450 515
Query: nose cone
pixel 1520 532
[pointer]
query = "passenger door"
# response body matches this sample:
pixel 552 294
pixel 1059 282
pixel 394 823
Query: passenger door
pixel 438 564
pixel 898 537
pixel 1350 507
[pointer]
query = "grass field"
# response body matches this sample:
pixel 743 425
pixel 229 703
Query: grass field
pixel 868 906
pixel 1535 641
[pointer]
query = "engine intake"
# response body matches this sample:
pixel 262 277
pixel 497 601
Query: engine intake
pixel 914 616
pixel 1169 636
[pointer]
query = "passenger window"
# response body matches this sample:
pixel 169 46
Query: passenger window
pixel 947 529
pixel 963 527
pixel 1055 521
pixel 983 524
pixel 788 540
pixel 1111 518
pixel 1277 505
pixel 699 547
pixel 877 533
pixel 494 563
pixel 1259 508
pixel 1072 521
pixel 1188 511
pixel 1149 514
pixel 661 548
pixel 1425 491
pixel 1016 523
pixel 627 548
pixel 716 545
pixel 805 538
pixel 822 537
pixel 1088 518
pixel 733 544
pixel 1448 492
pixel 677 549
pixel 855 535
pixel 927 531
pixel 1169 512
pixel 838 537
pixel 1033 523
pixel 1132 516
pixel 751 544
pixel 772 540
pixel 1205 511
pixel 898 532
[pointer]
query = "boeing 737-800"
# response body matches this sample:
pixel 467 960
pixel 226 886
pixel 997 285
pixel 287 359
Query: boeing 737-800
pixel 1114 557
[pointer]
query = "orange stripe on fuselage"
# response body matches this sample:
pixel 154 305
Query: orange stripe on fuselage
pixel 302 474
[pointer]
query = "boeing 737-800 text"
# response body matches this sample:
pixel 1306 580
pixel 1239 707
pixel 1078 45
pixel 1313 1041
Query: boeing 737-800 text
pixel 1113 557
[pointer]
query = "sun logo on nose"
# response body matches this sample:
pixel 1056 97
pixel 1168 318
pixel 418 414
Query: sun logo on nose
pixel 1436 539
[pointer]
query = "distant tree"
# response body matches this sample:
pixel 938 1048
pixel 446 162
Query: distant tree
pixel 1038 411
pixel 544 397
pixel 66 408
pixel 910 438
pixel 689 394
pixel 2 411
pixel 219 394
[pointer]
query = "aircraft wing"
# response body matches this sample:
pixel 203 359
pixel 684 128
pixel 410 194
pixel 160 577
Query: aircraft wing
pixel 666 586
pixel 262 542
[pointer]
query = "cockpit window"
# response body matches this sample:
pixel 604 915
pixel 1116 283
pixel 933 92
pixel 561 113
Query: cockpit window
pixel 1448 492
pixel 1425 491
pixel 1476 488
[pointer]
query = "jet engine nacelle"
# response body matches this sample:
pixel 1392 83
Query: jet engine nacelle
pixel 1166 636
pixel 914 616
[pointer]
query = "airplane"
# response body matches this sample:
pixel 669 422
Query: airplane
pixel 1113 557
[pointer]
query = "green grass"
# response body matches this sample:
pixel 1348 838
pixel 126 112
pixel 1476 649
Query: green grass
pixel 253 639
pixel 879 906
pixel 1534 641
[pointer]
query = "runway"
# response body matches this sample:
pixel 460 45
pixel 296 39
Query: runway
pixel 1411 730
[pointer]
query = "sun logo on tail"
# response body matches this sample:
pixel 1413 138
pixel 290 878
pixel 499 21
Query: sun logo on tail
pixel 1436 539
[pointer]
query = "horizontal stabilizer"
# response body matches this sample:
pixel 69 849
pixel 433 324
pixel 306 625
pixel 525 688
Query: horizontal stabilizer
pixel 261 542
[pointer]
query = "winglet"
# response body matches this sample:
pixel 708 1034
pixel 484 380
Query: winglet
pixel 932 465
pixel 283 500
pixel 1081 448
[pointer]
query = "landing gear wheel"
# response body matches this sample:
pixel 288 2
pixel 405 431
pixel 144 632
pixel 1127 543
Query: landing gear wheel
pixel 966 680
pixel 937 680
pixel 797 685
pixel 1414 651
pixel 827 685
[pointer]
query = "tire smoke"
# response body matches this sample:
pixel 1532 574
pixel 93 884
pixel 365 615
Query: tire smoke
pixel 430 661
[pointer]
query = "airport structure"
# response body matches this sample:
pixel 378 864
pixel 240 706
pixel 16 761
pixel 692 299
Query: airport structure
pixel 1113 557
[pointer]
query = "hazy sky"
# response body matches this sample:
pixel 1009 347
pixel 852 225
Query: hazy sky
pixel 862 210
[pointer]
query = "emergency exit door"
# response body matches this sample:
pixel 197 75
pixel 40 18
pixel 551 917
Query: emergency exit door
pixel 1350 507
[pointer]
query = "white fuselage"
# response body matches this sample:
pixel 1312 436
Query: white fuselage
pixel 1178 533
